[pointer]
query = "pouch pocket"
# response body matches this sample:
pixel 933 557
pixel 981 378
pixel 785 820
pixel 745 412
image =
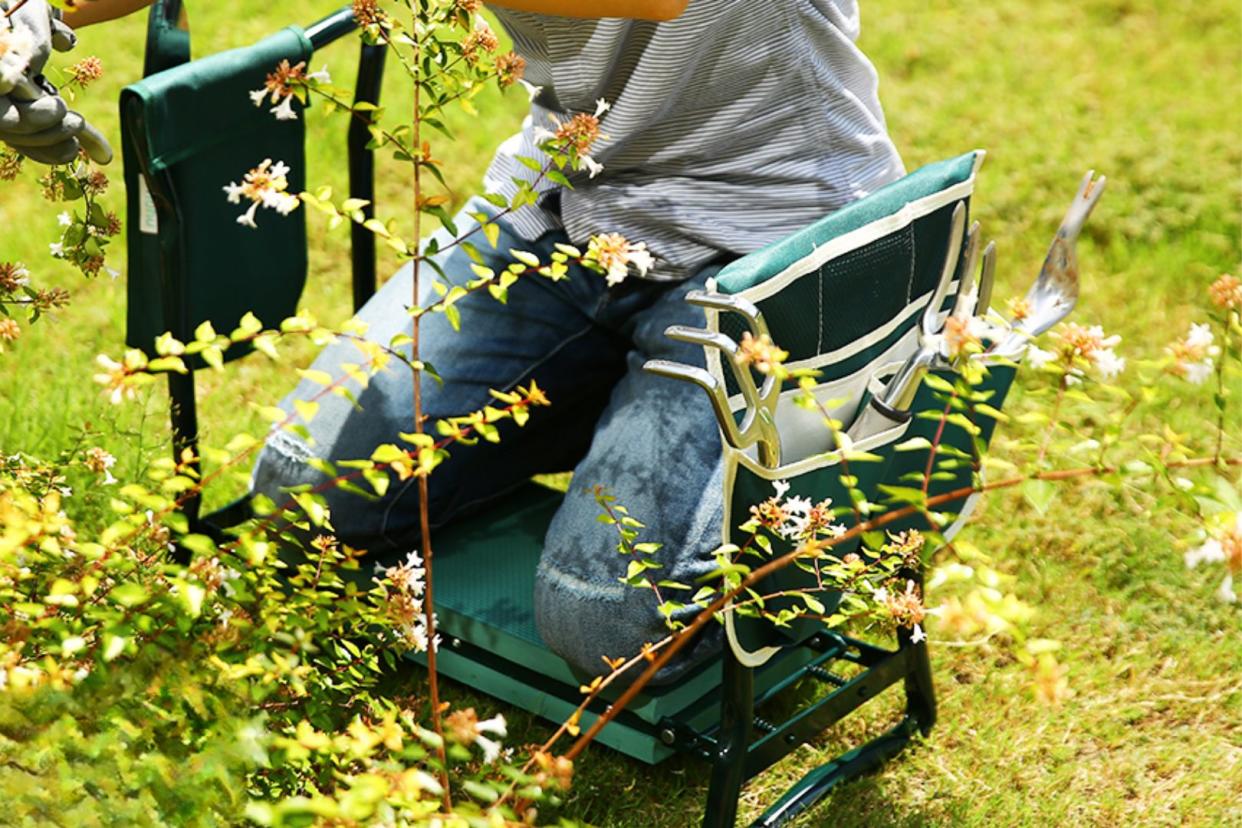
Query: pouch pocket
pixel 747 484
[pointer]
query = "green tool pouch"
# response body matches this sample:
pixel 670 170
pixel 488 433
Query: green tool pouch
pixel 186 133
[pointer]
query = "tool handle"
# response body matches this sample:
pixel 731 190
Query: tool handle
pixel 876 417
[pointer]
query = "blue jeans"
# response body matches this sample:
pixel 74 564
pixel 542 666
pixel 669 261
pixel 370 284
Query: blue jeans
pixel 651 441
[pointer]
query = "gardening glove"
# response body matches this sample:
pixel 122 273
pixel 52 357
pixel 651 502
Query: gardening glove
pixel 34 119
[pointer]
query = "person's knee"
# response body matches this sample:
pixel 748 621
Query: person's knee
pixel 585 612
pixel 287 464
pixel 585 617
pixel 284 462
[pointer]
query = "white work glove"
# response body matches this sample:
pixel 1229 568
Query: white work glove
pixel 34 119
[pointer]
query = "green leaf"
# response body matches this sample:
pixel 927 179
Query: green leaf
pixel 905 494
pixel 205 332
pixel 199 544
pixel 1039 493
pixel 129 594
pixel 938 383
pixel 453 315
pixel 307 409
pixel 213 356
pixel 479 791
pixel 492 231
pixel 528 259
pixel 113 645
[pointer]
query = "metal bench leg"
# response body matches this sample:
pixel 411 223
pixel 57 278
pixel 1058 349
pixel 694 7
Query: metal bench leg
pixel 817 784
pixel 920 692
pixel 737 707
pixel 920 715
pixel 183 409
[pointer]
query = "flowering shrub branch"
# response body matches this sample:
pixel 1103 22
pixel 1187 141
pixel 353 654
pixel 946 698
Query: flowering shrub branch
pixel 84 231
pixel 269 677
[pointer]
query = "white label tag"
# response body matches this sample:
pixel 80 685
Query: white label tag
pixel 148 220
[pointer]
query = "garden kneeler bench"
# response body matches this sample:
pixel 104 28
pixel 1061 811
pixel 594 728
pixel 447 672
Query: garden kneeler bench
pixel 843 295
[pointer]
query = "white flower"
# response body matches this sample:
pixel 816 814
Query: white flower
pixel 16 49
pixel 57 249
pixel 494 725
pixel 1223 545
pixel 1038 357
pixel 601 106
pixel 1194 356
pixel 960 335
pixel 14 274
pixel 1197 373
pixel 641 258
pixel 918 635
pixel 797 516
pixel 64 219
pixel 113 379
pixel 615 254
pixel 880 595
pixel 265 186
pixel 594 168
pixel 542 135
pixel 781 486
pixel 1078 346
pixel 532 91
pixel 283 203
pixel 281 85
pixel 1108 363
pixel 1097 332
pixel 1225 592
pixel 407 576
pixel 1200 336
pixel 284 110
pixel 491 748
pixel 101 462
pixel 247 218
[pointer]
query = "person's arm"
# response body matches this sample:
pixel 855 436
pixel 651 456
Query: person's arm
pixel 637 9
pixel 86 12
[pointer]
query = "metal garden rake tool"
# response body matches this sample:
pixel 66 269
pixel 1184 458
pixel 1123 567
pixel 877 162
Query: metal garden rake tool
pixel 758 426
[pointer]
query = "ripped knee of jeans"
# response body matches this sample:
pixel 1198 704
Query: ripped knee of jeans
pixel 282 463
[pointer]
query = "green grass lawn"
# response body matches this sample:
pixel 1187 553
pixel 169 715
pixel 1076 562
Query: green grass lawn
pixel 1149 94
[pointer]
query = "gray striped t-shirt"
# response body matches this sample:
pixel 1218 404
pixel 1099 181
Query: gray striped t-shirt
pixel 731 126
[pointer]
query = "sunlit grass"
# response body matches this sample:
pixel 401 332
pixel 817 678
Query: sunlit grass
pixel 1147 94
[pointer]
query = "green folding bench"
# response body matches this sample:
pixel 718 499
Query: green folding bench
pixel 843 295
